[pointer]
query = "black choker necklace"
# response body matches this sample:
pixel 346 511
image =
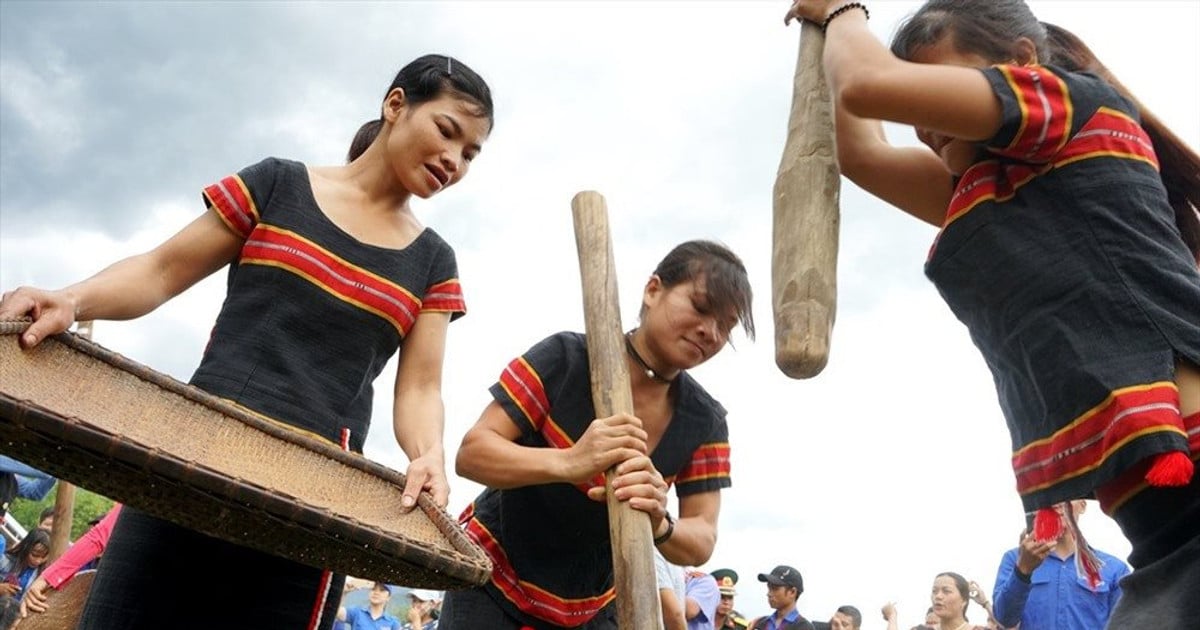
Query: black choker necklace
pixel 637 358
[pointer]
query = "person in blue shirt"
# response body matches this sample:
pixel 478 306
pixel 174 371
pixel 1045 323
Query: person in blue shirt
pixel 21 564
pixel 784 586
pixel 701 600
pixel 373 617
pixel 1039 588
pixel 18 480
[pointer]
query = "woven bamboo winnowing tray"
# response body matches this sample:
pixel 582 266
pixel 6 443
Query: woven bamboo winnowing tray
pixel 64 604
pixel 102 421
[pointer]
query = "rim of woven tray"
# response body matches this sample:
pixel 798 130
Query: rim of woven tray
pixel 440 519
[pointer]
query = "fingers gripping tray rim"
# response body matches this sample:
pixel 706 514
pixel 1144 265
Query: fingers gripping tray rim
pixel 104 422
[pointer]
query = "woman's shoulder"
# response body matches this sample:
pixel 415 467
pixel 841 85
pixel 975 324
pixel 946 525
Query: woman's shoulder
pixel 695 399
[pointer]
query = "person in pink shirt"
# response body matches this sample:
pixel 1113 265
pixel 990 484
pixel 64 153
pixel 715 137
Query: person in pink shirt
pixel 86 549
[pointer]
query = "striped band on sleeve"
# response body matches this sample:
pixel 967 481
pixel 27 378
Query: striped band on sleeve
pixel 444 297
pixel 231 200
pixel 1037 112
pixel 520 390
pixel 709 469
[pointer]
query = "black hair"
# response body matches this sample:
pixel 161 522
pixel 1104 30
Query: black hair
pixel 991 28
pixel 46 513
pixel 425 79
pixel 960 583
pixel 21 551
pixel 726 283
pixel 10 611
pixel 853 613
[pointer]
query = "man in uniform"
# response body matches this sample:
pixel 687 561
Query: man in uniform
pixel 727 617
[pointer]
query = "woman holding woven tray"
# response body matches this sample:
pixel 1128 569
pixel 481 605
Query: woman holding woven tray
pixel 542 453
pixel 330 275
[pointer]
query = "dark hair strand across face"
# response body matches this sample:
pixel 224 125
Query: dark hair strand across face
pixel 726 282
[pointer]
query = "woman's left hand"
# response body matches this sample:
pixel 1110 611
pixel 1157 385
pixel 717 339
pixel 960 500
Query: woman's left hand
pixel 814 11
pixel 428 473
pixel 638 483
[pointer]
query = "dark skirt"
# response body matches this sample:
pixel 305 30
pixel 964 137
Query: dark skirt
pixel 155 574
pixel 476 608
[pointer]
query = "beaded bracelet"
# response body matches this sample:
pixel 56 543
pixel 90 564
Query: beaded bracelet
pixel 842 9
pixel 667 534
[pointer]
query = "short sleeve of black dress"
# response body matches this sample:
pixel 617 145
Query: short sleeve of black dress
pixel 1044 108
pixel 530 381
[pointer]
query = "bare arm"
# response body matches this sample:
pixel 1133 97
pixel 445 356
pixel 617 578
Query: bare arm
pixel 131 287
pixel 913 179
pixel 695 535
pixel 671 610
pixel 871 82
pixel 418 415
pixel 490 455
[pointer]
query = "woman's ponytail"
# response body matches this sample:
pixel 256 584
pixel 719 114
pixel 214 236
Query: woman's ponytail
pixel 363 139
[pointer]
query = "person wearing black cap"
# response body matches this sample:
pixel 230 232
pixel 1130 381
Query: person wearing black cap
pixel 728 618
pixel 784 586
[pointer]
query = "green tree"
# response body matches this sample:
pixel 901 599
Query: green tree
pixel 88 505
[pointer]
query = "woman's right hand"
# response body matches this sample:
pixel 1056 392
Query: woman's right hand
pixel 34 600
pixel 606 443
pixel 52 312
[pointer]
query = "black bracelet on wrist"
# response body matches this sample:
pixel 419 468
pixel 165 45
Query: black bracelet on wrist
pixel 842 9
pixel 1021 576
pixel 667 534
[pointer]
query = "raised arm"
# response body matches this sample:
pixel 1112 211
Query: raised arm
pixel 1013 579
pixel 870 82
pixel 913 179
pixel 131 287
pixel 418 414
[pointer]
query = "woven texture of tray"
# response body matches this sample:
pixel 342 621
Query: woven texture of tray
pixel 64 606
pixel 104 422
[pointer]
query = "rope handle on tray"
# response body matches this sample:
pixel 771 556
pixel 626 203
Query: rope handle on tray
pixel 14 326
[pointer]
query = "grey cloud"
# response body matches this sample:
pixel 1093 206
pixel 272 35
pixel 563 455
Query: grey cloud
pixel 142 101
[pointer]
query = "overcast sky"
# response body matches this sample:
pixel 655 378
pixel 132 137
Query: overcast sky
pixel 889 467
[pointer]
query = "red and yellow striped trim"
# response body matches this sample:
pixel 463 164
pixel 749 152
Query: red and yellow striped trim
pixel 275 247
pixel 234 204
pixel 1046 113
pixel 444 297
pixel 709 461
pixel 1109 133
pixel 1085 443
pixel 1114 494
pixel 524 387
pixel 527 597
